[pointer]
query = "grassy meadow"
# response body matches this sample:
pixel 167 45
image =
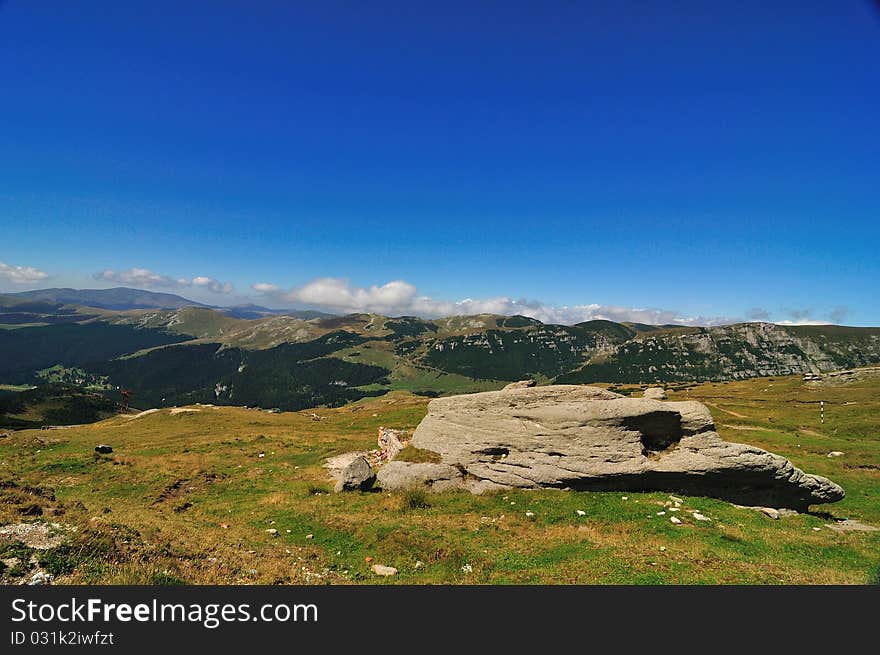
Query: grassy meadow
pixel 215 495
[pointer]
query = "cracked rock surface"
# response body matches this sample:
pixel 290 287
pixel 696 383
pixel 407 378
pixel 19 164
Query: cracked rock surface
pixel 588 438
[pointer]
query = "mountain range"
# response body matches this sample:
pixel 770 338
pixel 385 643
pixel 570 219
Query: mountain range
pixel 124 298
pixel 171 353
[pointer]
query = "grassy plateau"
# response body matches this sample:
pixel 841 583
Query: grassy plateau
pixel 216 495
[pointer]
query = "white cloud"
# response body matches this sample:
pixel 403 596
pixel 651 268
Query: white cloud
pixel 21 274
pixel 399 297
pixel 212 285
pixel 802 321
pixel 139 277
pixel 145 278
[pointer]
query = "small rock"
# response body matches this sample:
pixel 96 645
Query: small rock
pixel 310 536
pixel 836 453
pixel 654 393
pixel 676 500
pixel 580 512
pixel 467 568
pixel 390 444
pixel 661 513
pixel 357 476
pixel 273 532
pixel 624 497
pixel 662 548
pixel 380 569
pixel 675 520
pixel 817 529
pixel 530 514
pixel 673 509
pixel 104 449
pixel 769 511
pixel 522 384
pixel 40 578
pixel 368 559
pixel 700 517
pixel 420 564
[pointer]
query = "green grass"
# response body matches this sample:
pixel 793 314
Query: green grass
pixel 209 462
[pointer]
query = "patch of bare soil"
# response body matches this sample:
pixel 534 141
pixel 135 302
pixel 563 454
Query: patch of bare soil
pixel 183 486
pixel 40 535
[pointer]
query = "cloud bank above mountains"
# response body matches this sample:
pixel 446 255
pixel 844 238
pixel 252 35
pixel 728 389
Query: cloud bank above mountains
pixel 399 298
pixel 142 277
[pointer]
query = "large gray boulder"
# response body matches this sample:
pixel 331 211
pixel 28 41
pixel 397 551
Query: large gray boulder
pixel 586 438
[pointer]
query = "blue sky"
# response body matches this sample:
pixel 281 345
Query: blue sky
pixel 690 161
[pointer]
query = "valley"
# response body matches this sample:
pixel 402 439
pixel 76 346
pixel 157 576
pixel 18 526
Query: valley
pixel 179 354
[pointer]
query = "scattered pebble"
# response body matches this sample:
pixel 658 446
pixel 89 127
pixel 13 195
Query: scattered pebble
pixel 419 564
pixel 675 520
pixel 381 569
pixel 700 517
pixel 40 578
pixel 467 568
pixel 530 514
pixel 662 548
pixel 661 513
pixel 273 532
pixel 673 509
pixel 817 529
pixel 624 497
pixel 580 512
pixel 310 536
pixel 835 453
pixel 675 499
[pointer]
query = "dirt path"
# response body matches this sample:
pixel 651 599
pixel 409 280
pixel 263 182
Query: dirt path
pixel 727 411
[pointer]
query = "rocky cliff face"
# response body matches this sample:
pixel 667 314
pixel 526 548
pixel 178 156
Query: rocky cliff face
pixel 732 352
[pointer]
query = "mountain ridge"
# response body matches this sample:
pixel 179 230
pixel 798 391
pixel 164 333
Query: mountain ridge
pixel 202 354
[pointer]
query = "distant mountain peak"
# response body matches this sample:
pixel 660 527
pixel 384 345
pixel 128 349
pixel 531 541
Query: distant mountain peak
pixel 116 298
